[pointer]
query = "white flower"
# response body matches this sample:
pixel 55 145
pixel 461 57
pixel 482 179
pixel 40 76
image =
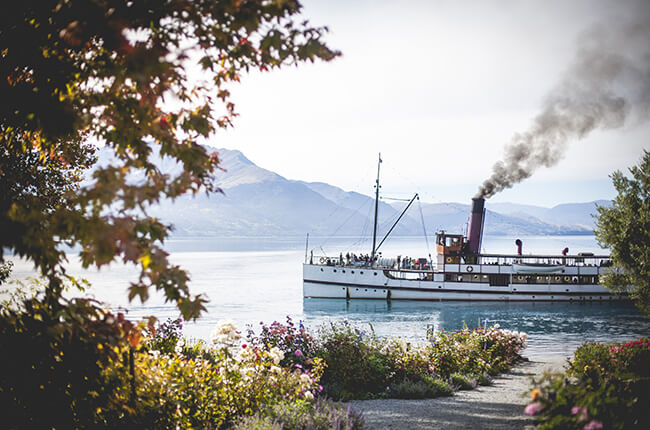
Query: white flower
pixel 276 355
pixel 225 334
pixel 246 354
pixel 308 395
pixel 178 349
pixel 154 353
pixel 305 379
pixel 275 369
pixel 497 325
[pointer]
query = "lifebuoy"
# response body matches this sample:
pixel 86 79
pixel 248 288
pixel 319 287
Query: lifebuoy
pixel 322 259
pixel 449 260
pixel 470 269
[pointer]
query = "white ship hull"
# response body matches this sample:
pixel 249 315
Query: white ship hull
pixel 344 282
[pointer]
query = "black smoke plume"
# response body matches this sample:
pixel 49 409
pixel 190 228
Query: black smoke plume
pixel 606 86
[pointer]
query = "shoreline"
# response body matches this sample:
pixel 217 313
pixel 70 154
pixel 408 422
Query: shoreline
pixel 498 406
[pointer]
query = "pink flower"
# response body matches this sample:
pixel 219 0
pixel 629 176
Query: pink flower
pixel 581 412
pixel 593 425
pixel 298 352
pixel 533 408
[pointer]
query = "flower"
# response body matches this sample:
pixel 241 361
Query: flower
pixel 533 408
pixel 298 352
pixel 305 379
pixel 593 425
pixel 225 333
pixel 535 394
pixel 581 412
pixel 276 355
pixel 308 395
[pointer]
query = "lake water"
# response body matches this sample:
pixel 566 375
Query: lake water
pixel 251 280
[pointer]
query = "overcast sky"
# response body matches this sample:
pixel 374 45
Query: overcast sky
pixel 438 87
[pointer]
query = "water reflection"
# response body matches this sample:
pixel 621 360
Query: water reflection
pixel 553 328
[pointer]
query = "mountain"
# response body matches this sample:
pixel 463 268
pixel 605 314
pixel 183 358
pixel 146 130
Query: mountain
pixel 579 214
pixel 258 202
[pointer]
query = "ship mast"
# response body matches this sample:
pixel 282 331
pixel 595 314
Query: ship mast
pixel 374 230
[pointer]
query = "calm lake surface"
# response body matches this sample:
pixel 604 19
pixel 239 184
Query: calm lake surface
pixel 252 280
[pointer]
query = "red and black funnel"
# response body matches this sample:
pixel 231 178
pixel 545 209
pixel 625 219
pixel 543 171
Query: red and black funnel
pixel 475 231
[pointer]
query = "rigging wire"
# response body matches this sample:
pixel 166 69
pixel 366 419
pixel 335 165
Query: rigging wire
pixel 424 229
pixel 354 212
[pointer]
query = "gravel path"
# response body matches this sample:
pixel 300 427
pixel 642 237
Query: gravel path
pixel 499 406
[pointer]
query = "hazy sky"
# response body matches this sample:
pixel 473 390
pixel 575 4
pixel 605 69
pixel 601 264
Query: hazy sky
pixel 438 87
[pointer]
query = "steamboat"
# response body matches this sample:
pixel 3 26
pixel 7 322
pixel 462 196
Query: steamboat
pixel 459 272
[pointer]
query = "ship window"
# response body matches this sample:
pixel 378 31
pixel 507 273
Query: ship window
pixel 334 270
pixel 351 271
pixel 375 273
pixel 361 272
pixel 343 270
pixel 321 269
pixel 498 280
pixel 475 276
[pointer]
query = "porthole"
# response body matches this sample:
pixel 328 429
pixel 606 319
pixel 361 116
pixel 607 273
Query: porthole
pixel 321 269
pixel 439 286
pixel 361 273
pixel 343 270
pixel 374 291
pixel 334 270
pixel 357 289
pixel 375 273
pixel 352 271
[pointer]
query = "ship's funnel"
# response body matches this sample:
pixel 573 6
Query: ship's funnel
pixel 475 232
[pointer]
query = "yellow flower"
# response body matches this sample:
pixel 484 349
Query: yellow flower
pixel 535 393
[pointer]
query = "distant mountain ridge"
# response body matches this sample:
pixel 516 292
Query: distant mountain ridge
pixel 259 202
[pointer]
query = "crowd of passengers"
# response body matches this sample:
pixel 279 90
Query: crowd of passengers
pixel 363 260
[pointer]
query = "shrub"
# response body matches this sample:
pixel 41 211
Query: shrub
pixel 463 382
pixel 53 360
pixel 476 351
pixel 356 365
pixel 164 336
pixel 321 415
pixel 605 386
pixel 296 343
pixel 425 387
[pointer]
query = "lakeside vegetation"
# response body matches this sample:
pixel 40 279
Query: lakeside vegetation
pixel 80 366
pixel 605 386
